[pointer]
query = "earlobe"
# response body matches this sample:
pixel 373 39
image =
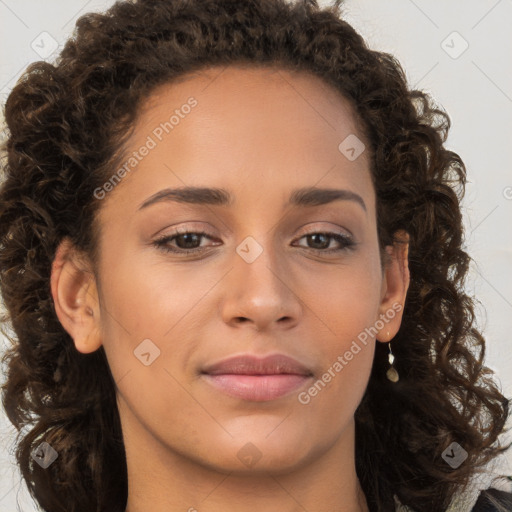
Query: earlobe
pixel 395 284
pixel 75 297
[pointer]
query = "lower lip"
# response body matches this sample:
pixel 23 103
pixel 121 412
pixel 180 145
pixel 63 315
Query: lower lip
pixel 258 388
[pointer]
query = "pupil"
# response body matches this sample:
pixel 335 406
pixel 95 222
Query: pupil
pixel 318 235
pixel 185 236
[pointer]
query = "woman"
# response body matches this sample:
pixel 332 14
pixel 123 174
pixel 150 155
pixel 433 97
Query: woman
pixel 216 217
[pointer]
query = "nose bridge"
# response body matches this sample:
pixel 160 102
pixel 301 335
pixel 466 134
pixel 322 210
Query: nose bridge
pixel 257 287
pixel 259 267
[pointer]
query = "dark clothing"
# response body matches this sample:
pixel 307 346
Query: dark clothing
pixel 484 504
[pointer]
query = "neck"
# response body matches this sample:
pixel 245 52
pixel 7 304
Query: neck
pixel 162 480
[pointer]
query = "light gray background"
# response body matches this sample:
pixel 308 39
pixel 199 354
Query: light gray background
pixel 474 86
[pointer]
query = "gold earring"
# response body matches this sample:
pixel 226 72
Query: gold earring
pixel 391 374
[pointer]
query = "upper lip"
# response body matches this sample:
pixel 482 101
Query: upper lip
pixel 253 365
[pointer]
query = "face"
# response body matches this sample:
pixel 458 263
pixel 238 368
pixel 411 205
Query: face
pixel 261 272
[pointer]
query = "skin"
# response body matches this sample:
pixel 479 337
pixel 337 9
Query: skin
pixel 260 133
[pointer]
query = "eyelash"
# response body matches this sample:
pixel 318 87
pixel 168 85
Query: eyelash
pixel 162 243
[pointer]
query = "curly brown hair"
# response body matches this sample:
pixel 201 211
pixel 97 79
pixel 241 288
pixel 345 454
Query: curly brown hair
pixel 67 123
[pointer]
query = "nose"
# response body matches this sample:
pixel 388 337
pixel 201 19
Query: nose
pixel 260 294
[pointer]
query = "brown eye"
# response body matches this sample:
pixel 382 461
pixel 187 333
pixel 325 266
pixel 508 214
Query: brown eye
pixel 185 242
pixel 320 241
pixel 188 240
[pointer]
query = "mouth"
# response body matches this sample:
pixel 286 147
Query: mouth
pixel 257 379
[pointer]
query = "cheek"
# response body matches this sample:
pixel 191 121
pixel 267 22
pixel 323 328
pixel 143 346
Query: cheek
pixel 148 311
pixel 346 312
pixel 344 302
pixel 345 343
pixel 330 402
pixel 147 300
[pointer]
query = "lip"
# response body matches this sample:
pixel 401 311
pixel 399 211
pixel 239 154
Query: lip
pixel 248 364
pixel 255 378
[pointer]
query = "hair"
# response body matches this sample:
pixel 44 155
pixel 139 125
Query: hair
pixel 68 124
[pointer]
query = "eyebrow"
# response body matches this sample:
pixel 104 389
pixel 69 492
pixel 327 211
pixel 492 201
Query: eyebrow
pixel 307 196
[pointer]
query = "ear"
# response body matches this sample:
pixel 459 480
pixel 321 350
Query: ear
pixel 75 296
pixel 395 283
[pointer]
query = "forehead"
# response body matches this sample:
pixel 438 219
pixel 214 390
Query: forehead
pixel 268 128
pixel 253 89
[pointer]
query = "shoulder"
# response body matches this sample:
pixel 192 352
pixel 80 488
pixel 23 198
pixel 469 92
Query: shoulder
pixel 493 500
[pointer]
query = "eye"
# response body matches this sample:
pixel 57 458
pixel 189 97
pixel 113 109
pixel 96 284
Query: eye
pixel 322 240
pixel 189 242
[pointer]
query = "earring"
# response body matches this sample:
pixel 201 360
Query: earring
pixel 391 374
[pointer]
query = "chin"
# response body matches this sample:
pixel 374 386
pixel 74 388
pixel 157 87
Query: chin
pixel 256 453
